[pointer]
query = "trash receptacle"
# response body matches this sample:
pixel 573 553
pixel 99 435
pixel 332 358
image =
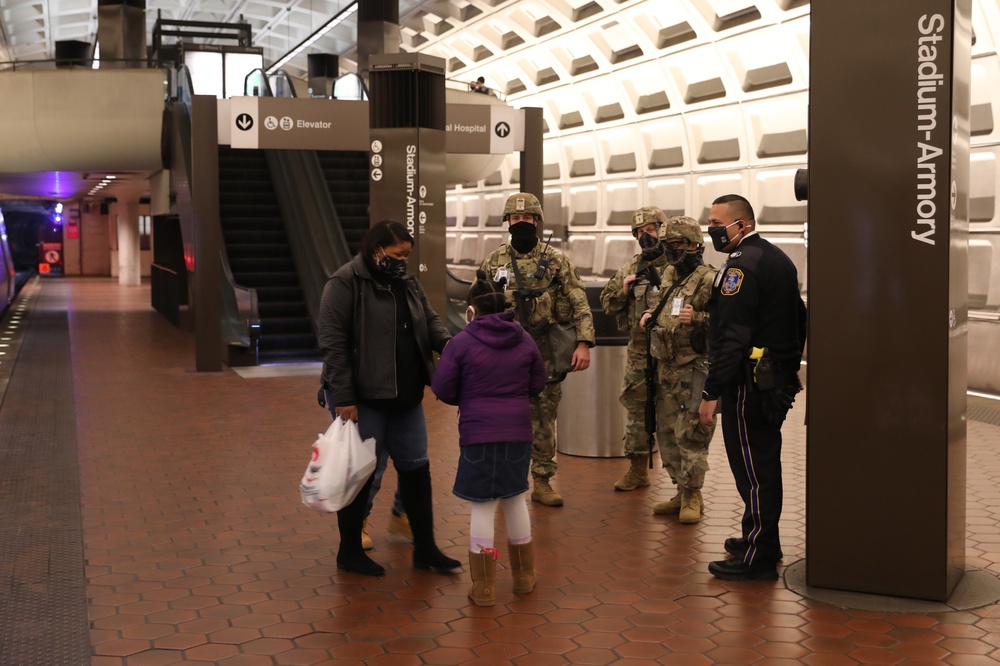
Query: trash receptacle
pixel 591 419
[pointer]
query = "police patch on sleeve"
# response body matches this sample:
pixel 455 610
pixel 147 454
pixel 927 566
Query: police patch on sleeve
pixel 732 282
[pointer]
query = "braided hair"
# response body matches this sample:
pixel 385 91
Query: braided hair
pixel 485 296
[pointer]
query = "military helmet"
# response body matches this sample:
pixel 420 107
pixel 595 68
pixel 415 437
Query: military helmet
pixel 682 228
pixel 523 202
pixel 648 215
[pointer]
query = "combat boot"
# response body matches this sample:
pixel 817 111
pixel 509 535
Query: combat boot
pixel 542 492
pixel 399 526
pixel 366 541
pixel 637 475
pixel 670 507
pixel 691 506
pixel 483 571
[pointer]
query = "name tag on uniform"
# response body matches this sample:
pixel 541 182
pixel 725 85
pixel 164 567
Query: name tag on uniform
pixel 676 305
pixel 502 275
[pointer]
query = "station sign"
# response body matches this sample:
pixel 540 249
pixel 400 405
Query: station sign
pixel 324 124
pixel 50 259
pixel 483 129
pixel 297 124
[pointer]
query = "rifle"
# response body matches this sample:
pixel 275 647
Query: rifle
pixel 649 373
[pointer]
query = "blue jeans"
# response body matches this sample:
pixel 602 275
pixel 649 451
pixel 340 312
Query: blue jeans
pixel 367 420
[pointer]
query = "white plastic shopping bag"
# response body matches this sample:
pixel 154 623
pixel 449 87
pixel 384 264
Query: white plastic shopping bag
pixel 340 465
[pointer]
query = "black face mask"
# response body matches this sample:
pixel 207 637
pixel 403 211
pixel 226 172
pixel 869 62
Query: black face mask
pixel 690 261
pixel 720 236
pixel 674 254
pixel 391 266
pixel 523 237
pixel 651 248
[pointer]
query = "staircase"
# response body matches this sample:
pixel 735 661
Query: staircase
pixel 260 258
pixel 346 174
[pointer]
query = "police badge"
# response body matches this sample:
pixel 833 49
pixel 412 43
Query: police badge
pixel 732 282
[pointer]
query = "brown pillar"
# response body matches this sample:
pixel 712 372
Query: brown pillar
pixel 407 160
pixel 888 276
pixel 378 31
pixel 121 33
pixel 532 157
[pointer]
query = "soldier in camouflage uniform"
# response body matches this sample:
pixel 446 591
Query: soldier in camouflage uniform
pixel 627 296
pixel 551 293
pixel 679 343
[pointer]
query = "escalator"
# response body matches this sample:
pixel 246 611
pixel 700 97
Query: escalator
pixel 260 257
pixel 346 176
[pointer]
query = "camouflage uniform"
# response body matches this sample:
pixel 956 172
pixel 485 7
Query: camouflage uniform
pixel 682 439
pixel 564 301
pixel 627 310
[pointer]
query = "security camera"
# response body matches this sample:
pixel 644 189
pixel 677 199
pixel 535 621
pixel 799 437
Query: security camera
pixel 801 184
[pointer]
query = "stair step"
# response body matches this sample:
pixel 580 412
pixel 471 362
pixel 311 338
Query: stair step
pixel 282 309
pixel 257 279
pixel 279 356
pixel 279 294
pixel 285 326
pixel 287 341
pixel 254 238
pixel 258 251
pixel 262 265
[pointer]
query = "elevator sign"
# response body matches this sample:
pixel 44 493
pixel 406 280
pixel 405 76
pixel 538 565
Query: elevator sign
pixel 291 123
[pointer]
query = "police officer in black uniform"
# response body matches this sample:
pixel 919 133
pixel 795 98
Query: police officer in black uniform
pixel 757 332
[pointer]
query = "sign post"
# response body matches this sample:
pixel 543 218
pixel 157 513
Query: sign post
pixel 407 159
pixel 888 291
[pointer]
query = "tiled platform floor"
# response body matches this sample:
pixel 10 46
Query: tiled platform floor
pixel 198 549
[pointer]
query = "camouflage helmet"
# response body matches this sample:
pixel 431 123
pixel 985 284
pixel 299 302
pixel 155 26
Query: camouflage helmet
pixel 682 228
pixel 523 202
pixel 647 215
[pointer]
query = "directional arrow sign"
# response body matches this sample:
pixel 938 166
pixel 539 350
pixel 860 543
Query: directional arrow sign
pixel 502 129
pixel 244 121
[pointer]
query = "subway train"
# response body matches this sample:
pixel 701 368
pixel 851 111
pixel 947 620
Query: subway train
pixel 681 105
pixel 8 287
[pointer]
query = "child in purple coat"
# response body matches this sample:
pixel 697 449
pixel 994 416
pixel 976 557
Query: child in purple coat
pixel 490 370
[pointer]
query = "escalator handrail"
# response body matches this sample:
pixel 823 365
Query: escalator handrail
pixel 361 81
pixel 268 91
pixel 263 76
pixel 236 324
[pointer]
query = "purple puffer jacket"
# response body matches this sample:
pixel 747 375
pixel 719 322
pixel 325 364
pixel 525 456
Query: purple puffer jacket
pixel 489 370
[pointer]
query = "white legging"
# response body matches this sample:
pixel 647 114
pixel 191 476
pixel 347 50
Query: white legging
pixel 482 522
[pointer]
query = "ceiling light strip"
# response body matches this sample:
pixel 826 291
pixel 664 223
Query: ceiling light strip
pixel 314 37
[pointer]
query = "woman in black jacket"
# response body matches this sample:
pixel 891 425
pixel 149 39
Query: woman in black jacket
pixel 377 332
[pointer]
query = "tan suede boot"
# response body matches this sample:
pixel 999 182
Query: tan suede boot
pixel 670 507
pixel 366 541
pixel 522 565
pixel 691 506
pixel 542 492
pixel 637 475
pixel 400 526
pixel 483 569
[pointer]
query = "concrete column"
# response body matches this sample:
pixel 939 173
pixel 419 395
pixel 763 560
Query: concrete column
pixel 129 265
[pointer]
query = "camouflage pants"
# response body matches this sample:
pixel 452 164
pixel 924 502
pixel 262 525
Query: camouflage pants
pixel 543 425
pixel 633 397
pixel 682 438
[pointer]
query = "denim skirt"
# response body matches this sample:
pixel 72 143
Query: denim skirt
pixel 492 471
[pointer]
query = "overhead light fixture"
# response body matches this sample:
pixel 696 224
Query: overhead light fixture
pixel 314 37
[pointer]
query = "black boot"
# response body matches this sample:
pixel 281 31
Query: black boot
pixel 415 490
pixel 351 556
